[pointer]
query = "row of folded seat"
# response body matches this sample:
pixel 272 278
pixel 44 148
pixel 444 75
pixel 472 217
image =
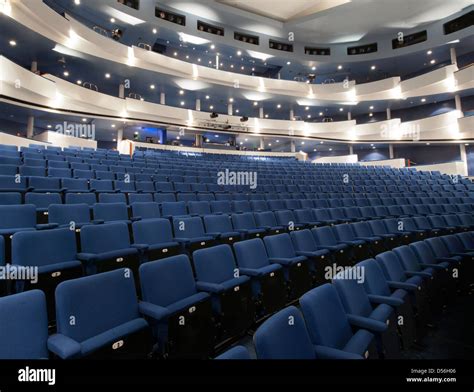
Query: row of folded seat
pixel 358 315
pixel 186 307
pixel 123 182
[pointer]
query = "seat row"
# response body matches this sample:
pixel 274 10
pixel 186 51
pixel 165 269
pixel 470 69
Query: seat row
pixel 355 317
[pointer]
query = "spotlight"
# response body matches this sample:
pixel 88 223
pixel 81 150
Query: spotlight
pixel 117 34
pixel 214 115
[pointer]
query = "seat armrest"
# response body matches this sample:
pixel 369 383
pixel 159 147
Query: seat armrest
pixel 63 346
pixel 381 299
pixel 153 311
pixel 419 273
pixel 324 352
pixel 403 285
pixel 366 323
pixel 140 247
pixel 87 257
pixel 434 266
pixel 98 221
pixel 279 260
pixel 209 287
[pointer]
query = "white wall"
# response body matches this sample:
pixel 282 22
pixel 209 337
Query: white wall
pixel 60 140
pixel 128 147
pixel 457 167
pixel 6 138
pixel 337 159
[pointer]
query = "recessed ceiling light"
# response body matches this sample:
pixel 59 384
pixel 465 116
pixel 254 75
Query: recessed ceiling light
pixel 154 31
pixel 66 73
pixel 107 76
pixel 373 68
pixel 112 20
pixel 79 82
pixel 339 67
pixel 152 86
pixel 12 43
pixel 430 52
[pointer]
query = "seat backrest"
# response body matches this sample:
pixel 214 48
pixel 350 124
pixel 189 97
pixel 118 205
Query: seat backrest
pixel 244 221
pixel 199 207
pixel 408 258
pixel 81 198
pixel 165 197
pixel 188 227
pixel 391 266
pixel 350 287
pixel 265 218
pixel 375 281
pixel 98 304
pixel 24 329
pixel 110 211
pixel 214 265
pixel 174 208
pixel 324 236
pixel 344 232
pixel 152 231
pixel 112 198
pixel 146 210
pixel 167 281
pixel 251 254
pixel 42 200
pixel 284 336
pixel 325 317
pixel 303 241
pixel 279 246
pixel 439 248
pixel 55 246
pixel 17 216
pixel 218 223
pixel 105 238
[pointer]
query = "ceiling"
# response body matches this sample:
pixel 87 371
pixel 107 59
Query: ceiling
pixel 341 21
pixel 284 10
